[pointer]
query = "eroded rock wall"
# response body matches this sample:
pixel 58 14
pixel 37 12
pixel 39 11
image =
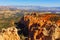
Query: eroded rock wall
pixel 9 34
pixel 38 25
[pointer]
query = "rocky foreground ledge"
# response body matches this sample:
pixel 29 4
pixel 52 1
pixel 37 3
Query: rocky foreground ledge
pixel 9 34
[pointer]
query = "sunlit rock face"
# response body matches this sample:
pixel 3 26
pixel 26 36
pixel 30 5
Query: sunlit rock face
pixel 42 26
pixel 9 34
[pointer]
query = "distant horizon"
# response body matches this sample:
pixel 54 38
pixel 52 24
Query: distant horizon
pixel 44 3
pixel 25 5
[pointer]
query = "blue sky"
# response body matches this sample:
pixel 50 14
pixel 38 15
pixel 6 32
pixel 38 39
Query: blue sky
pixel 46 3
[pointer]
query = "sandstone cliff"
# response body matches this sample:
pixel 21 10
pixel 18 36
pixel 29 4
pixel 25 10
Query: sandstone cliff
pixel 40 26
pixel 9 34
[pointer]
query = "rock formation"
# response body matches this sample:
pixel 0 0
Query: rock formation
pixel 40 26
pixel 9 34
pixel 37 23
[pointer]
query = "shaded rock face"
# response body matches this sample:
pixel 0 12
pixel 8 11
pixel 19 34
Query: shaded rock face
pixel 24 29
pixel 39 26
pixel 9 34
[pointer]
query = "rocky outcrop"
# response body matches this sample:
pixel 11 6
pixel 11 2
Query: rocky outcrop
pixel 9 34
pixel 40 26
